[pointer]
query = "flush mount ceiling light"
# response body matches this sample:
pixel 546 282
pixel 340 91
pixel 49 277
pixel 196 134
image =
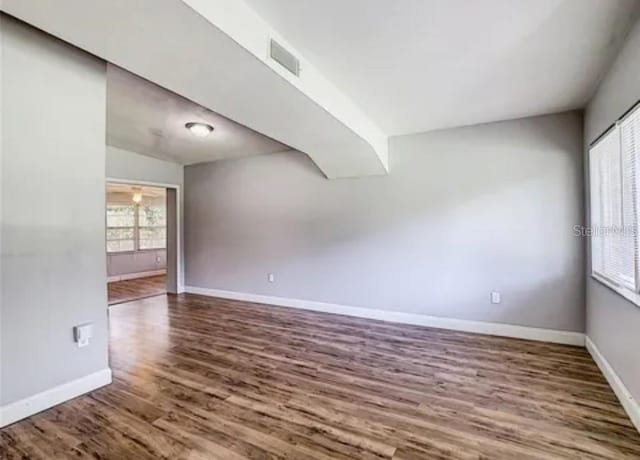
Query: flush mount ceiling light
pixel 199 129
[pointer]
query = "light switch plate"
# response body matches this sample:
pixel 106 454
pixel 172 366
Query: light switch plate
pixel 82 334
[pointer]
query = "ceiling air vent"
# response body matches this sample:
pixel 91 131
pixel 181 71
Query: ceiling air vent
pixel 283 57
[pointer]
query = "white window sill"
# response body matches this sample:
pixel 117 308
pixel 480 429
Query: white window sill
pixel 628 294
pixel 135 251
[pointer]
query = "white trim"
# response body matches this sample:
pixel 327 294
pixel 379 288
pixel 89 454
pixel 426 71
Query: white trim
pixel 628 402
pixel 142 182
pixel 506 330
pixel 178 188
pixel 625 292
pixel 133 276
pixel 24 408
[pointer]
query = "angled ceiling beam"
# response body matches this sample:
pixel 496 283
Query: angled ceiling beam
pixel 215 52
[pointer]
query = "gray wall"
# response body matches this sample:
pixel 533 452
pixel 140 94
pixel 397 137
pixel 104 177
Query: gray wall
pixel 129 263
pixel 123 164
pixel 53 235
pixel 613 323
pixel 463 211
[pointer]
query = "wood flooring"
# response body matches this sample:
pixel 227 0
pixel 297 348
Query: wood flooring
pixel 139 288
pixel 203 378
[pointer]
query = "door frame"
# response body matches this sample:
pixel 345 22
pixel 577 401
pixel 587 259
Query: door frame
pixel 178 189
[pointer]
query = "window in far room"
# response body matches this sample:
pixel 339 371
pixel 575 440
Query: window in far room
pixel 136 218
pixel 120 227
pixel 152 227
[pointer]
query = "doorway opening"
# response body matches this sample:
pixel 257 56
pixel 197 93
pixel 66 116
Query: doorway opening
pixel 140 241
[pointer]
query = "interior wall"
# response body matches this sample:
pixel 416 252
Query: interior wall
pixel 613 323
pixel 135 262
pixel 53 236
pixel 463 212
pixel 131 166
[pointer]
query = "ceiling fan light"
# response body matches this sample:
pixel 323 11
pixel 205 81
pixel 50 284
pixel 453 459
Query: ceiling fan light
pixel 137 196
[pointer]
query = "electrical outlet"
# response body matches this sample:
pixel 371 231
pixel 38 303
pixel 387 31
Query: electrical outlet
pixel 495 297
pixel 271 278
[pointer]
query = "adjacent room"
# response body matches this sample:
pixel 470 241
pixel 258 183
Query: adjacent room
pixel 339 229
pixel 136 242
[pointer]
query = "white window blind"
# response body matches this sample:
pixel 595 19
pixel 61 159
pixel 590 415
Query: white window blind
pixel 152 227
pixel 121 221
pixel 614 204
pixel 630 154
pixel 136 226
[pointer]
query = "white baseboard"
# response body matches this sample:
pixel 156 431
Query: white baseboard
pixel 133 276
pixel 629 403
pixel 37 403
pixel 505 330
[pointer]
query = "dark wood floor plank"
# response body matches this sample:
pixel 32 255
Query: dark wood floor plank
pixel 203 378
pixel 138 288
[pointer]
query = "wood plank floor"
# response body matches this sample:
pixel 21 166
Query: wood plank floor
pixel 139 288
pixel 202 378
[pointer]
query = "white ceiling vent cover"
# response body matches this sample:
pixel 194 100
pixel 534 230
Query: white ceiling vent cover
pixel 283 57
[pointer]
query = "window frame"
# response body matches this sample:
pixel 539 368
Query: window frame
pixel 632 295
pixel 136 233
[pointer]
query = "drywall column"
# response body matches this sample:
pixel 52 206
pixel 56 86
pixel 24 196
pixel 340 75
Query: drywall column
pixel 53 237
pixel 1 200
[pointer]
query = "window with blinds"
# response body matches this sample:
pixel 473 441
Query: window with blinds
pixel 121 221
pixel 152 227
pixel 135 226
pixel 613 163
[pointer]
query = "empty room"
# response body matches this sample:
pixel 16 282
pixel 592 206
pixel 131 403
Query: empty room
pixel 339 229
pixel 136 241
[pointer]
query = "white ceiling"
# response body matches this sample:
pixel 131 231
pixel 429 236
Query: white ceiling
pixel 146 118
pixel 215 53
pixel 123 194
pixel 418 65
